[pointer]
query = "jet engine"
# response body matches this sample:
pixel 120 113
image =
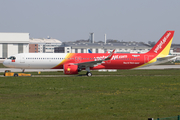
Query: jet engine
pixel 70 69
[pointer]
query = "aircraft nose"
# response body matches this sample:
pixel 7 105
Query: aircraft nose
pixel 5 63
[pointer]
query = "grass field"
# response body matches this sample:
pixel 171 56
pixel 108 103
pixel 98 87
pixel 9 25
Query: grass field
pixel 119 72
pixel 2 66
pixel 138 94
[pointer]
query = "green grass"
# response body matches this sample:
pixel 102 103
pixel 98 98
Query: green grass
pixel 92 98
pixel 119 72
pixel 166 72
pixel 2 66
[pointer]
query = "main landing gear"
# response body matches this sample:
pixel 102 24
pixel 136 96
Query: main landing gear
pixel 89 74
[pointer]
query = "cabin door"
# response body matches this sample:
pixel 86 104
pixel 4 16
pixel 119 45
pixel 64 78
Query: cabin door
pixel 146 58
pixel 22 59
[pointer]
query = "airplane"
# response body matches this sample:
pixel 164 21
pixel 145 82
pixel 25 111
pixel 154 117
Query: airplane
pixel 89 51
pixel 73 63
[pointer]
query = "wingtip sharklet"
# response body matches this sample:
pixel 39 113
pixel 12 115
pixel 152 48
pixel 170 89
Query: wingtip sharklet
pixel 110 55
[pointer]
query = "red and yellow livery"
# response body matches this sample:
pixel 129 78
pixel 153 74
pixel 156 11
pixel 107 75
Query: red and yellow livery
pixel 72 63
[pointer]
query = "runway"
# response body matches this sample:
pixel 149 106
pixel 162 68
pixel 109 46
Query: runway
pixel 161 67
pixel 46 70
pixel 29 70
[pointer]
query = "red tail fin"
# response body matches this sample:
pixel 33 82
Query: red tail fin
pixel 164 44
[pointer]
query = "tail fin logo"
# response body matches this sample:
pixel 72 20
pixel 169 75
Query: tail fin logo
pixel 162 42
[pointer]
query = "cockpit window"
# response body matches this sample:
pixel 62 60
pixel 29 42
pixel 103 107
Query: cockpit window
pixel 12 58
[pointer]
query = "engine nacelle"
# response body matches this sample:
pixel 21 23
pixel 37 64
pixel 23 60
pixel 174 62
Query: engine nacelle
pixel 70 69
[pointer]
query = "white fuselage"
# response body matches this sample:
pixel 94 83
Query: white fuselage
pixel 35 60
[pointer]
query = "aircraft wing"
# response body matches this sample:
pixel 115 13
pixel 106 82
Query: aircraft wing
pixel 95 63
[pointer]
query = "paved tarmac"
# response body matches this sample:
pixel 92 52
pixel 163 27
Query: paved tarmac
pixel 161 67
pixel 28 70
pixel 43 70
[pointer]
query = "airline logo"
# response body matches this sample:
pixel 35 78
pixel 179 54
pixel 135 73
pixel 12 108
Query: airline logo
pixel 113 57
pixel 118 57
pixel 99 58
pixel 159 46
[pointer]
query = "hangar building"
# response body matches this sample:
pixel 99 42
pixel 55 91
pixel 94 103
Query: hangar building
pixel 13 43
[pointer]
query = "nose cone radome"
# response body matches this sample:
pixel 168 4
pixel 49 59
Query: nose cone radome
pixel 5 63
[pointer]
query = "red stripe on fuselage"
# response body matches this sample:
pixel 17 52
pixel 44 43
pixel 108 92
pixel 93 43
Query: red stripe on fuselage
pixel 118 61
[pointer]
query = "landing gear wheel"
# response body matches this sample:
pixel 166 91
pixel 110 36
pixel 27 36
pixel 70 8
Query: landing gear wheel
pixel 89 74
pixel 15 75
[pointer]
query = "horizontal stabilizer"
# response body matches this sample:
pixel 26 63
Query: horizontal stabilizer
pixel 167 58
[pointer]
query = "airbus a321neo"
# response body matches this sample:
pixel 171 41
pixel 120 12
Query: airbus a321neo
pixel 72 63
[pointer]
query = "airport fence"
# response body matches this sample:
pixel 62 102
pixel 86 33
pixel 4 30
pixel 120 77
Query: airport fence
pixel 169 118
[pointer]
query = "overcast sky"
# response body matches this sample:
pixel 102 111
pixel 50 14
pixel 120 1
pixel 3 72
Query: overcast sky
pixel 70 20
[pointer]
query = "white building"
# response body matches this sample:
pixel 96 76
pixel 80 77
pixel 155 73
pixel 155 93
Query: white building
pixel 13 43
pixel 45 45
pixel 123 47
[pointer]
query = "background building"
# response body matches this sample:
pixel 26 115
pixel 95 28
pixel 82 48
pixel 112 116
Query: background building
pixel 43 45
pixel 121 47
pixel 33 48
pixel 82 46
pixel 13 43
